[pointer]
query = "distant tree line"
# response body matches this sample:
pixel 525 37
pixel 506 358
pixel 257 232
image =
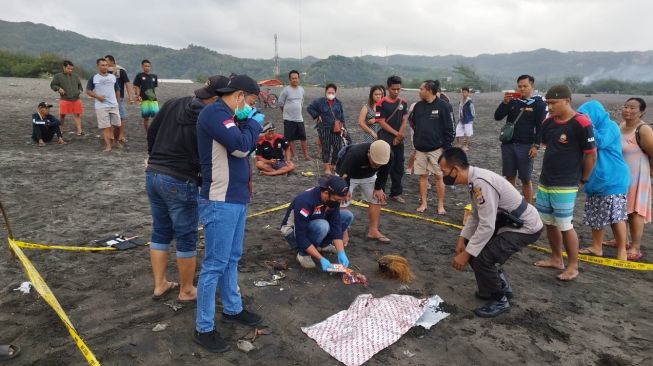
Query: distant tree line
pixel 24 66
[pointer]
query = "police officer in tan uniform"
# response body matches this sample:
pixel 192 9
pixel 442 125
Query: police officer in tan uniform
pixel 500 224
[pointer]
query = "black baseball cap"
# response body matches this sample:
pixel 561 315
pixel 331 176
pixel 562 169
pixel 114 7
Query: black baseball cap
pixel 241 82
pixel 211 87
pixel 45 105
pixel 335 184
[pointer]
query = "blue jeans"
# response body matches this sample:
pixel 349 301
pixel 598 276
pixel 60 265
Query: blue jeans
pixel 319 231
pixel 224 229
pixel 173 204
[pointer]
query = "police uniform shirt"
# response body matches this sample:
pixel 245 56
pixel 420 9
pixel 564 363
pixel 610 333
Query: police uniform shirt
pixel 490 192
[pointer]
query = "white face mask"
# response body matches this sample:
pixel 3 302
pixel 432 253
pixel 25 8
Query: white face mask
pixel 331 96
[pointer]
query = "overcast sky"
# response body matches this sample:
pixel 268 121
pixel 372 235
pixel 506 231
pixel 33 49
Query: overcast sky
pixel 245 28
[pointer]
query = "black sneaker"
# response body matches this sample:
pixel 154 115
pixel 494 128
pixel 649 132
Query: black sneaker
pixel 211 341
pixel 493 308
pixel 245 317
pixel 505 286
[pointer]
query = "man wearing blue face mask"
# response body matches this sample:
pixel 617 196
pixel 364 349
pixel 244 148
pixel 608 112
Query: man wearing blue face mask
pixel 500 224
pixel 223 148
pixel 315 223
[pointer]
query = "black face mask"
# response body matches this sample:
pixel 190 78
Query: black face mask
pixel 448 179
pixel 332 204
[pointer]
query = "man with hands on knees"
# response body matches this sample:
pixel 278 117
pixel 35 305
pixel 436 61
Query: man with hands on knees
pixel 500 224
pixel 315 224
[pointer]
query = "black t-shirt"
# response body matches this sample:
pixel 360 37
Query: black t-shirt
pixel 272 150
pixel 385 109
pixel 566 143
pixel 433 125
pixel 531 113
pixel 121 79
pixel 147 83
pixel 355 164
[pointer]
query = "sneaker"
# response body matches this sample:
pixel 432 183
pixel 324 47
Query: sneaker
pixel 398 199
pixel 328 249
pixel 211 341
pixel 305 261
pixel 493 308
pixel 244 317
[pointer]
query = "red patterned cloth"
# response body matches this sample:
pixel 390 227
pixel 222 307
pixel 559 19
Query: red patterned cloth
pixel 354 335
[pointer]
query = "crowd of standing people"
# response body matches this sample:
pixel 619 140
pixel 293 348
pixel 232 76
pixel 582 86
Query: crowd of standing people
pixel 198 171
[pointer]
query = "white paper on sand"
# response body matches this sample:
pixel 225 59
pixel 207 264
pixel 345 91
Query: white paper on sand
pixel 24 287
pixel 432 314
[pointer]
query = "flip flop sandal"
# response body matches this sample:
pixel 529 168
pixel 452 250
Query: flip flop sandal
pixel 8 352
pixel 635 257
pixel 166 292
pixel 382 239
pixel 613 244
pixel 588 251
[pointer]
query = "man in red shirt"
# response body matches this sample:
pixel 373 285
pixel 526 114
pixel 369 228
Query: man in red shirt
pixel 272 153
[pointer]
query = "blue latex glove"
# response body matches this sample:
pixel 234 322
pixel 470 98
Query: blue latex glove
pixel 325 264
pixel 252 112
pixel 342 258
pixel 259 117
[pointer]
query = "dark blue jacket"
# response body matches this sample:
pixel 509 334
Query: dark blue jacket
pixel 467 112
pixel 308 206
pixel 223 148
pixel 320 108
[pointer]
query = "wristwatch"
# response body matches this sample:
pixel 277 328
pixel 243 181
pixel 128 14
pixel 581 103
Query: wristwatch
pixel 536 146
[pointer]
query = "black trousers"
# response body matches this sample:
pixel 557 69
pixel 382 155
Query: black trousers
pixel 397 169
pixel 497 250
pixel 45 133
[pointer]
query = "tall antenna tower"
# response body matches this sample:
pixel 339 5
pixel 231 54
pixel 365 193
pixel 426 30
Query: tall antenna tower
pixel 276 57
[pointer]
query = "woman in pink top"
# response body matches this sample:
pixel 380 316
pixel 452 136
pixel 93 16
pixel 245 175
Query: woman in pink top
pixel 637 156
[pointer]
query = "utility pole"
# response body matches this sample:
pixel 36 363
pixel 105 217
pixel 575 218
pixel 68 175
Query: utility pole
pixel 276 70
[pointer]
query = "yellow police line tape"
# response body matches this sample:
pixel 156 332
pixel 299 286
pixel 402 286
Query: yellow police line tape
pixel 609 262
pixel 26 245
pixel 47 295
pixel 270 210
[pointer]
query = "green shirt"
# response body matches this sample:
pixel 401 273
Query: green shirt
pixel 69 83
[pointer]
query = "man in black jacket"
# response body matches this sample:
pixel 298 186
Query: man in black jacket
pixel 367 165
pixel 172 178
pixel 526 112
pixel 432 121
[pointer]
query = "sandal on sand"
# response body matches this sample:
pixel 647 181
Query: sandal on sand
pixel 8 352
pixel 382 238
pixel 635 256
pixel 589 251
pixel 398 199
pixel 81 133
pixel 173 286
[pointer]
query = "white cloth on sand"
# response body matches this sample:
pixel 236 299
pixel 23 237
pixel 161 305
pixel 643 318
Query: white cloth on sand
pixel 354 335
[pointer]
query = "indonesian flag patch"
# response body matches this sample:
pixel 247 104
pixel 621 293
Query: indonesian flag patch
pixel 229 123
pixel 304 212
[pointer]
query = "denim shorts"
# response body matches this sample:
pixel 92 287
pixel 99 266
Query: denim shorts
pixel 173 204
pixel 515 161
pixel 122 109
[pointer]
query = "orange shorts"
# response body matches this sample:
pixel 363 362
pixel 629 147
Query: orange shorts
pixel 70 107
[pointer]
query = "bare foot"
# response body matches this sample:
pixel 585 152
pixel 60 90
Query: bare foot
pixel 568 275
pixel 107 150
pixel 308 158
pixel 550 263
pixel 188 296
pixel 442 211
pixel 167 286
pixel 421 208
